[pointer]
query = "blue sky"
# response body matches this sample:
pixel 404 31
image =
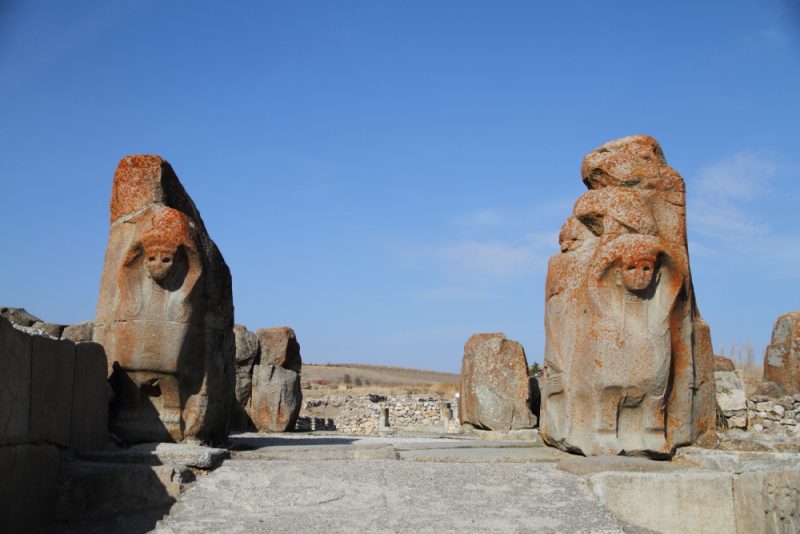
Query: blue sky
pixel 390 177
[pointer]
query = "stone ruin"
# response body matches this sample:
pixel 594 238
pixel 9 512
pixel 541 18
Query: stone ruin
pixel 494 392
pixel 782 357
pixel 268 366
pixel 165 312
pixel 628 360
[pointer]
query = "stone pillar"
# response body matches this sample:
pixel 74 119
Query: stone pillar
pixel 628 362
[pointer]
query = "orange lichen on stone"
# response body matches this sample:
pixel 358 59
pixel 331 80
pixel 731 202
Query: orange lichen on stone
pixel 627 355
pixel 137 183
pixel 636 161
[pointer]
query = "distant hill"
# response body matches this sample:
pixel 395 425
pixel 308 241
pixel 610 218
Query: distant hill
pixel 373 375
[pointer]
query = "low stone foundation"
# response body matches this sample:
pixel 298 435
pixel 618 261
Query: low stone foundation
pixel 369 414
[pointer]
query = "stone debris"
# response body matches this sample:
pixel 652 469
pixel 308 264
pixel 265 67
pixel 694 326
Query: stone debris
pixel 782 357
pixel 628 360
pixel 495 391
pixel 165 312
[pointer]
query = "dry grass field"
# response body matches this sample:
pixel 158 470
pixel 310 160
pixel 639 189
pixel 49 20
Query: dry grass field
pixel 378 378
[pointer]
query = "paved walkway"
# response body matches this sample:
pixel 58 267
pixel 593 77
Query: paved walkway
pixel 302 483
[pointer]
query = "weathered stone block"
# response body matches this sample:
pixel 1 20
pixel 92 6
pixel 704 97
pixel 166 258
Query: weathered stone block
pixel 494 384
pixel 95 490
pixel 782 357
pixel 15 383
pixel 89 399
pixel 247 352
pixel 767 502
pixel 52 376
pixel 278 346
pixel 28 486
pixel 79 332
pixel 669 503
pixel 275 399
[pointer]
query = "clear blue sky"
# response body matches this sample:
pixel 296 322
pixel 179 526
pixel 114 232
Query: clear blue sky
pixel 390 177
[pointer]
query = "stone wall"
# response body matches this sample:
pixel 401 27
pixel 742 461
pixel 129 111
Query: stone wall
pixel 53 398
pixel 372 414
pixel 774 416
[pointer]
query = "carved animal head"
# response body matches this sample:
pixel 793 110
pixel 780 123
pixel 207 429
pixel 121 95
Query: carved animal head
pixel 637 270
pixel 169 230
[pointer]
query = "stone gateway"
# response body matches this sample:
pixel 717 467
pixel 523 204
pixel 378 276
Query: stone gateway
pixel 628 362
pixel 165 312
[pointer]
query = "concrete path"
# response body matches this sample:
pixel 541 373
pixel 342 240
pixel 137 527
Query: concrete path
pixel 302 483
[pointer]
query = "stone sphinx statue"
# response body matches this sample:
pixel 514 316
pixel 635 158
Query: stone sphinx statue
pixel 628 364
pixel 165 313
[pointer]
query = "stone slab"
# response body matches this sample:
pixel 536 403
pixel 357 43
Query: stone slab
pixel 320 452
pixel 670 503
pixel 89 423
pixel 15 384
pixel 52 375
pixel 530 435
pixel 387 496
pixel 739 461
pixel 28 486
pixel 767 502
pixel 485 455
pixel 186 454
pixel 95 490
pixel 579 465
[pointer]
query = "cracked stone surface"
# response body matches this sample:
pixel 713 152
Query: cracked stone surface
pixel 249 495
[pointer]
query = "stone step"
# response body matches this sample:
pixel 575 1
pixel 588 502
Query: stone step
pixel 195 456
pixel 97 489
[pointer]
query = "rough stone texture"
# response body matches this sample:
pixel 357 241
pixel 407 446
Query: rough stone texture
pixel 79 332
pixel 494 392
pixel 782 358
pixel 669 503
pixel 15 384
pixel 165 311
pixel 628 360
pixel 196 456
pixel 731 398
pixel 51 383
pixel 51 329
pixel 278 346
pixel 387 496
pixel 19 316
pixel 93 490
pixel 767 502
pixel 246 354
pixel 28 486
pixel 89 420
pixel 579 465
pixel 359 414
pixel 721 363
pixel 275 399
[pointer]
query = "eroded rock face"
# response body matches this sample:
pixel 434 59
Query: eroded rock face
pixel 246 355
pixel 495 391
pixel 165 311
pixel 782 359
pixel 275 394
pixel 628 359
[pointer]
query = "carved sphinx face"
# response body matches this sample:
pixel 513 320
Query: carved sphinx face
pixel 637 273
pixel 158 261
